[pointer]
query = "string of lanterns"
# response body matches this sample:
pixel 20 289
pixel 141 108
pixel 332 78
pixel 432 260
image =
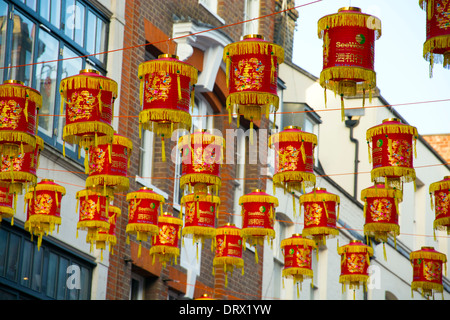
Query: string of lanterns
pixel 167 89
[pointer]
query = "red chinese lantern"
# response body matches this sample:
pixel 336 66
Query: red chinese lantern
pixel 165 243
pixel 441 192
pixel 108 165
pixel 391 148
pixel 89 100
pixel 107 236
pixel 355 261
pixel 349 52
pixel 258 217
pixel 202 155
pixel 252 73
pixel 93 214
pixel 297 252
pixel 7 200
pixel 228 244
pixel 294 160
pixel 19 106
pixel 436 48
pixel 20 171
pixel 166 92
pixel 320 214
pixel 200 215
pixel 44 208
pixel 427 266
pixel 143 206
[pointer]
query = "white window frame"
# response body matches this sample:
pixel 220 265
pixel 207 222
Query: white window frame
pixel 211 6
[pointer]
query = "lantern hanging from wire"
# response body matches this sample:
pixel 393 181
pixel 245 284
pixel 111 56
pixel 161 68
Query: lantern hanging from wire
pixel 392 145
pixel 143 207
pixel 258 218
pixel 44 208
pixel 18 173
pixel 349 53
pixel 440 190
pixel 93 214
pixel 165 243
pixel 436 48
pixel 355 262
pixel 106 237
pixel 251 76
pixel 297 252
pixel 166 93
pixel 201 210
pixel 294 160
pixel 19 107
pixel 108 165
pixel 88 98
pixel 381 213
pixel 228 254
pixel 428 265
pixel 202 156
pixel 7 204
pixel 320 214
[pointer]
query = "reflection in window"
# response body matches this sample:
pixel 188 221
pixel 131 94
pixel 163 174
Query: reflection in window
pixel 22 49
pixel 3 26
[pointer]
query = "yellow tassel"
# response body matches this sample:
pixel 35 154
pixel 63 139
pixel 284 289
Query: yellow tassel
pixel 179 87
pixel 339 209
pixel 302 150
pixel 96 139
pixel 364 98
pixel 140 130
pixel 140 249
pixel 37 121
pixel 370 95
pixel 384 252
pixel 325 206
pixel 365 209
pixel 430 10
pixel 228 63
pixel 141 92
pixel 272 69
pixel 342 107
pixel 61 110
pixel 431 201
pixel 370 153
pixel 390 146
pixel 109 153
pixel 251 131
pixel 163 149
pixel 100 103
pixel 256 255
pixel 25 109
pixel 415 148
pixel 325 97
pixel 193 97
pixel 57 199
pixel 86 162
pixel 293 204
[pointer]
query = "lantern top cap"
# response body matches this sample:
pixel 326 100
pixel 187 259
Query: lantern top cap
pixel 47 180
pixel 147 188
pixel 89 71
pixel 427 248
pixel 229 224
pixel 392 120
pixel 447 178
pixel 11 81
pixel 258 190
pixel 292 127
pixel 355 241
pixel 349 9
pixel 321 189
pixel 168 55
pixel 253 36
pixel 296 235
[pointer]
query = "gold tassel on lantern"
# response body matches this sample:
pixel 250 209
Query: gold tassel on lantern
pixel 163 149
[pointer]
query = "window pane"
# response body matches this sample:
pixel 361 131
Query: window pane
pixel 100 44
pixel 27 253
pixel 79 24
pixel 4 20
pixel 69 23
pixel 22 48
pixel 55 17
pixel 46 74
pixel 36 275
pixel 44 9
pixel 62 277
pixel 72 292
pixel 13 257
pixel 3 243
pixel 90 36
pixel 31 4
pixel 85 281
pixel 51 274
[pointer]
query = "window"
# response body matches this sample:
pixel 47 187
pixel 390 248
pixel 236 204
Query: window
pixel 36 36
pixel 251 11
pixel 26 271
pixel 137 287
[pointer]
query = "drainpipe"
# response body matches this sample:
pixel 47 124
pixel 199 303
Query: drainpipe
pixel 351 123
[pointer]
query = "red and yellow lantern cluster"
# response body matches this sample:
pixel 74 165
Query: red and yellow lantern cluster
pixel 427 266
pixel 143 207
pixel 355 262
pixel 297 252
pixel 381 213
pixel 440 190
pixel 258 218
pixel 228 255
pixel 392 145
pixel 166 93
pixel 320 214
pixel 44 208
pixel 436 48
pixel 165 243
pixel 251 75
pixel 349 52
pixel 88 98
pixel 108 237
pixel 202 156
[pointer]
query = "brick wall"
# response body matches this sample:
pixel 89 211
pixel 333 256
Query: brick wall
pixel 441 143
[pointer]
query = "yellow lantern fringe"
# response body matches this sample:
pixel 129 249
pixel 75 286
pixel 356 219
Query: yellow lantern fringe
pixel 199 233
pixel 88 82
pixel 292 136
pixel 367 79
pixel 27 141
pixel 141 230
pixel 440 185
pixel 9 90
pixel 119 183
pixel 311 197
pixel 149 120
pixel 405 174
pixel 258 198
pixel 203 196
pixel 144 195
pixel 428 255
pixel 380 231
pixel 355 249
pixel 442 224
pixel 391 128
pixel 250 103
pixel 350 19
pixel 253 47
pixel 173 67
pixel 199 139
pixel 72 133
pixel 169 219
pixel 382 192
pixel 311 232
pixel 257 234
pixel 297 242
pixel 88 224
pixel 200 178
pixel 293 180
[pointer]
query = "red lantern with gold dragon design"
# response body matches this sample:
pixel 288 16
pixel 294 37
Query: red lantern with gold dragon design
pixel 427 266
pixel 252 73
pixel 297 252
pixel 202 156
pixel 166 93
pixel 392 145
pixel 381 213
pixel 320 214
pixel 44 208
pixel 89 101
pixel 440 190
pixel 228 255
pixel 349 52
pixel 19 107
pixel 258 217
pixel 165 243
pixel 355 262
pixel 436 48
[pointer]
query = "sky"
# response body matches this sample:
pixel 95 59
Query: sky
pixel 402 72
